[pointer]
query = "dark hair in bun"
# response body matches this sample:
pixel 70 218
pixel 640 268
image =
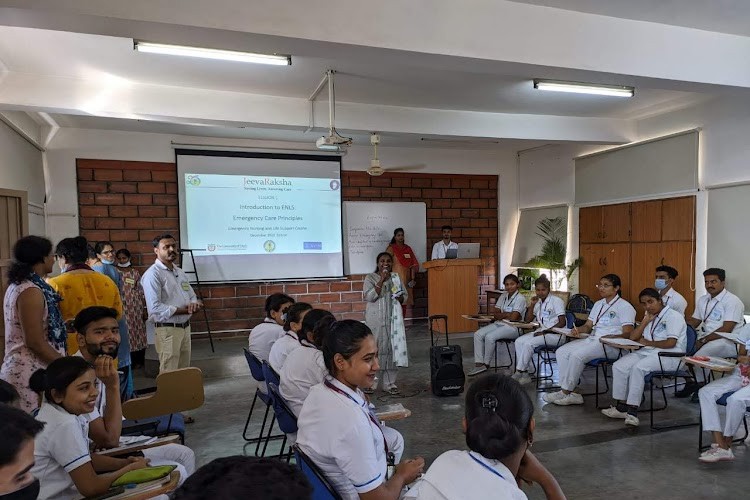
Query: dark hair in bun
pixel 498 415
pixel 309 323
pixel 58 375
pixel 340 337
pixel 294 312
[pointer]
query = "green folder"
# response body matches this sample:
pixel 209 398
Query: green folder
pixel 144 475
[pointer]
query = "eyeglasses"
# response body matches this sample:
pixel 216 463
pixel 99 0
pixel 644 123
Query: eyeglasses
pixel 606 285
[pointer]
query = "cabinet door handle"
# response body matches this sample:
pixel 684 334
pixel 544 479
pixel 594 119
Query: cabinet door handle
pixel 605 234
pixel 605 261
pixel 662 261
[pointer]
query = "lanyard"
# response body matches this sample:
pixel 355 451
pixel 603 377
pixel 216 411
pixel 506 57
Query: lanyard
pixel 287 334
pixel 601 313
pixel 543 308
pixel 369 413
pixel 480 462
pixel 509 300
pixel 706 312
pixel 655 322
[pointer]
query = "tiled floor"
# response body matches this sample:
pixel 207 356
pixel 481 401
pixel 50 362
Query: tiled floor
pixel 592 456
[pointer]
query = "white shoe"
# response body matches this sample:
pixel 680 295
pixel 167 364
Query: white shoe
pixel 716 455
pixel 476 371
pixel 613 412
pixel 524 379
pixel 632 420
pixel 516 375
pixel 571 399
pixel 551 397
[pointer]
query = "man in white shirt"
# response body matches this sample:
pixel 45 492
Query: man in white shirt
pixel 99 339
pixel 170 301
pixel 718 311
pixel 440 249
pixel 665 276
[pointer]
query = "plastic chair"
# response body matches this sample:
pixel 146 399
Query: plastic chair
pixel 322 488
pixel 271 378
pixel 722 401
pixel 256 371
pixel 284 416
pixel 545 355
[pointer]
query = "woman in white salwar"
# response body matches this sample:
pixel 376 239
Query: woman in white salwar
pixel 384 294
pixel 663 329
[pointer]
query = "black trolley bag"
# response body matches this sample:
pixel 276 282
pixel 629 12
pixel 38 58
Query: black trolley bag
pixel 446 363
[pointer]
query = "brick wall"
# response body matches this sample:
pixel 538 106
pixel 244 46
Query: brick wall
pixel 129 203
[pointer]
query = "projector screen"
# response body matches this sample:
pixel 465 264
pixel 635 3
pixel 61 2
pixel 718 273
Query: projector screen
pixel 260 216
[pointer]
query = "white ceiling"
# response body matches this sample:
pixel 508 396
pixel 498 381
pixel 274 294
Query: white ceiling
pixel 360 78
pixel 721 16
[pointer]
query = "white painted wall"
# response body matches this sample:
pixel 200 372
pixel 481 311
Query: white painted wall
pixel 21 169
pixel 70 144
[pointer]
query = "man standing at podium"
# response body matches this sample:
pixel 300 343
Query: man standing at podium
pixel 440 249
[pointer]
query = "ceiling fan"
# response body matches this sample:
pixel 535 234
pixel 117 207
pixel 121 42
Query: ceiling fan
pixel 376 169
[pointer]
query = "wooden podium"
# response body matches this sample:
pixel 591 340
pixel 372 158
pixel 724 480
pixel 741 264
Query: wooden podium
pixel 452 290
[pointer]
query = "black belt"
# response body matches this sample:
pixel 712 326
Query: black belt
pixel 173 325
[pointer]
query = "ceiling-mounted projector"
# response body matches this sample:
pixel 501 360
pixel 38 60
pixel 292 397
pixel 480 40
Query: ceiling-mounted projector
pixel 333 143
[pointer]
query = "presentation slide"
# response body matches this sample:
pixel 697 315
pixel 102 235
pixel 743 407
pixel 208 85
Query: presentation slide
pixel 259 216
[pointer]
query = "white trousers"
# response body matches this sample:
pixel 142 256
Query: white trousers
pixel 395 441
pixel 737 404
pixel 629 371
pixel 573 356
pixel 173 454
pixel 484 341
pixel 721 348
pixel 388 377
pixel 525 345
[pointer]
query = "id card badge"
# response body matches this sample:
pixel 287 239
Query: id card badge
pixel 130 281
pixel 391 465
pixel 185 286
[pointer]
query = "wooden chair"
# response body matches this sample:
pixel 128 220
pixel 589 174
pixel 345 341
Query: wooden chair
pixel 176 391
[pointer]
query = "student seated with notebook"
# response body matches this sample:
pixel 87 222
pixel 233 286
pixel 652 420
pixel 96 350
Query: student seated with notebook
pixel 99 338
pixel 63 464
pixel 265 334
pixel 549 311
pixel 663 329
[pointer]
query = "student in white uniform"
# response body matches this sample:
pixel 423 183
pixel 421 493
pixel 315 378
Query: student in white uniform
pixel 612 316
pixel 305 367
pixel 265 334
pixel 440 249
pixel 499 427
pixel 549 311
pixel 18 430
pixel 509 306
pixel 664 283
pixel 663 329
pixel 337 429
pixel 737 405
pixel 99 339
pixel 63 464
pixel 290 340
pixel 717 311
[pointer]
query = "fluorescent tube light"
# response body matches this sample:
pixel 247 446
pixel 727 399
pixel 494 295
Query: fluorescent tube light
pixel 224 55
pixel 584 88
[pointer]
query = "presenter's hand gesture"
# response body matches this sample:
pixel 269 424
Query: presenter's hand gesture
pixel 384 275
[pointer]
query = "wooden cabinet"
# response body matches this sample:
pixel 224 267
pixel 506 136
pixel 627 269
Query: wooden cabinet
pixel 681 256
pixel 600 259
pixel 646 221
pixel 678 219
pixel 608 223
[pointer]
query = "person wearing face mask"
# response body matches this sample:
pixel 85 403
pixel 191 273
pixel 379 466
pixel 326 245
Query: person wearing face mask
pixel 64 465
pixel 290 340
pixel 99 337
pixel 35 332
pixel 18 429
pixel 499 427
pixel 384 293
pixel 263 336
pixel 337 429
pixel 665 276
pixel 719 310
pixel 134 305
pixel 509 306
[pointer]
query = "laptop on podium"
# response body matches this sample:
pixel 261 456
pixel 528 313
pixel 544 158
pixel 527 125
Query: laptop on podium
pixel 464 251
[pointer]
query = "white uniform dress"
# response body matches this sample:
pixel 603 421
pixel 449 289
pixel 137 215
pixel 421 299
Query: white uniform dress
pixel 169 454
pixel 485 337
pixel 337 431
pixel 547 313
pixel 460 475
pixel 608 319
pixel 629 371
pixel 713 312
pixel 439 249
pixel 736 403
pixel 61 447
pixel 262 338
pixel 303 369
pixel 281 349
pixel 674 300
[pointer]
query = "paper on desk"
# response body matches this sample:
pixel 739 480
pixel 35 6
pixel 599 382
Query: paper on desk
pixel 392 409
pixel 622 342
pixel 520 324
pixel 126 444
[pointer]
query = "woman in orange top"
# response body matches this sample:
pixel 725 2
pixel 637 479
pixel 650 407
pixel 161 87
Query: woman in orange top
pixel 405 263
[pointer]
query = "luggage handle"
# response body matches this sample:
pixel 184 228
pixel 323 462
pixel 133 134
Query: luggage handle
pixel 438 317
